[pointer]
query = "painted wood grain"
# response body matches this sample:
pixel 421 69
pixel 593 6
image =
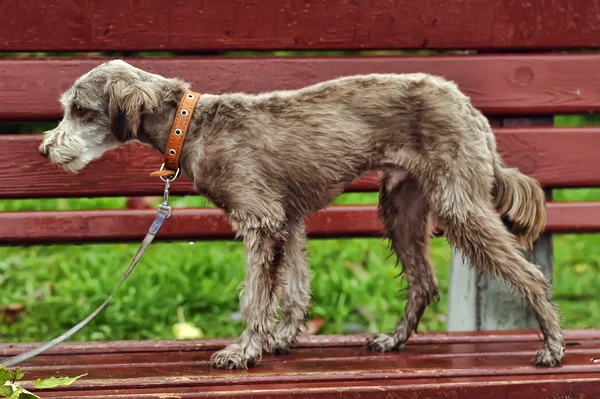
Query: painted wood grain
pixel 497 84
pixel 114 25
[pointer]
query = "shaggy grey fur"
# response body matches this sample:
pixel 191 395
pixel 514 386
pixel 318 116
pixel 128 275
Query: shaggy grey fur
pixel 272 159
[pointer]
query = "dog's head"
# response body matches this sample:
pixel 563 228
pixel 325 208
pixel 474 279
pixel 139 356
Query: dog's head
pixel 102 110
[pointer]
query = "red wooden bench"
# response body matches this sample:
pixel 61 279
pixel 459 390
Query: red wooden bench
pixel 511 71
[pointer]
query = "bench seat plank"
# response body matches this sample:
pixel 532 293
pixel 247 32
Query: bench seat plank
pixel 319 365
pixel 497 84
pixel 123 225
pixel 322 341
pixel 515 387
pixel 557 157
pixel 114 25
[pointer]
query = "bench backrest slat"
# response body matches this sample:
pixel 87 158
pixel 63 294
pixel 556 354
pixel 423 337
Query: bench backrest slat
pixel 116 25
pixel 65 227
pixel 558 157
pixel 498 85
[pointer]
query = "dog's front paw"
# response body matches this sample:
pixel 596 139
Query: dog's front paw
pixel 232 357
pixel 381 343
pixel 549 357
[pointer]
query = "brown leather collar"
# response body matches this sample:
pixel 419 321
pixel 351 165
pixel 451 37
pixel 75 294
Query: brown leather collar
pixel 178 131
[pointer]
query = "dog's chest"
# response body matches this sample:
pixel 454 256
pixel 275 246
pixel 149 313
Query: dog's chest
pixel 214 195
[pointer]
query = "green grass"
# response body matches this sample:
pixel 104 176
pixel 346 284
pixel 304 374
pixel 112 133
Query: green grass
pixel 353 283
pixel 353 280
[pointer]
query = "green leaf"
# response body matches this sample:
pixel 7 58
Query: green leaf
pixel 28 395
pixel 13 391
pixel 4 375
pixel 16 393
pixel 18 374
pixel 5 391
pixel 54 382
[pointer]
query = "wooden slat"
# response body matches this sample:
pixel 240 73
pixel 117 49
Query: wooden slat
pixel 557 157
pixel 132 225
pixel 484 365
pixel 303 356
pixel 498 85
pixel 470 388
pixel 69 25
pixel 357 366
pixel 312 341
pixel 465 388
pixel 46 227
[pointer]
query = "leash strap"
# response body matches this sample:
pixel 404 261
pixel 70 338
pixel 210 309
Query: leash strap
pixel 164 212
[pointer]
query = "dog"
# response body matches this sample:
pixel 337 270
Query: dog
pixel 269 160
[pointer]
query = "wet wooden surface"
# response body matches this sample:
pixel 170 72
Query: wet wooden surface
pixel 497 84
pixel 557 157
pixel 39 25
pixel 438 365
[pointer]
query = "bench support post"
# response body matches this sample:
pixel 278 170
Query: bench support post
pixel 482 303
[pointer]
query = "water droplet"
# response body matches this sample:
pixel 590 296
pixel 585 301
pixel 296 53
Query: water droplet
pixel 192 242
pixel 596 360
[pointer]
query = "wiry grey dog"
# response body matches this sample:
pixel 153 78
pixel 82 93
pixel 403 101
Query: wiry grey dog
pixel 270 160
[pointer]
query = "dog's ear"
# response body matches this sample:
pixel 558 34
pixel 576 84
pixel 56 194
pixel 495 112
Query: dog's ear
pixel 128 99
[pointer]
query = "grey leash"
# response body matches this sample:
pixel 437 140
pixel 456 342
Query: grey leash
pixel 164 212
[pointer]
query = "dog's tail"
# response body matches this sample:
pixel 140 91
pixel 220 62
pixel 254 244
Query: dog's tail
pixel 519 199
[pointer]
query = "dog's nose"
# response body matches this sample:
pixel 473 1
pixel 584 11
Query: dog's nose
pixel 43 150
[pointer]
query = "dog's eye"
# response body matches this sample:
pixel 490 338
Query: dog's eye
pixel 79 110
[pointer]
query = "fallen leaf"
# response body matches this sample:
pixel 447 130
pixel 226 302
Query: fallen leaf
pixel 582 268
pixel 11 312
pixel 5 391
pixel 185 330
pixel 314 325
pixel 4 375
pixel 13 391
pixel 18 374
pixel 54 382
pixel 17 391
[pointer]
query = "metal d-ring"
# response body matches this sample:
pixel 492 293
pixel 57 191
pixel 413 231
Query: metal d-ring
pixel 162 167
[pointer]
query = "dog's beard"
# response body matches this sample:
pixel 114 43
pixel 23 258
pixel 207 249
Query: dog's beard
pixel 77 163
pixel 73 163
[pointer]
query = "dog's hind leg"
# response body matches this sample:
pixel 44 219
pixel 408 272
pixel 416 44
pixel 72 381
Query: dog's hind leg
pixel 463 206
pixel 405 216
